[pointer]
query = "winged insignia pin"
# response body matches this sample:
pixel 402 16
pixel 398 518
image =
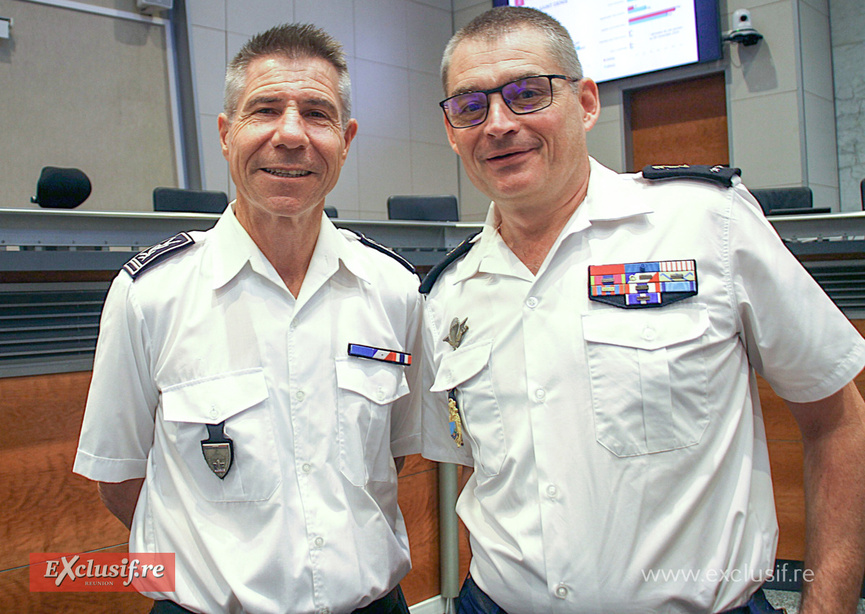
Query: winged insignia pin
pixel 458 329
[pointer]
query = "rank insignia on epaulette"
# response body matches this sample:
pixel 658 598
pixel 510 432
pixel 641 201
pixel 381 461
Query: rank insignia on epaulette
pixel 147 257
pixel 643 284
pixel 722 175
pixel 380 354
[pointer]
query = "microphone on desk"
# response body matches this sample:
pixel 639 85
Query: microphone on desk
pixel 61 188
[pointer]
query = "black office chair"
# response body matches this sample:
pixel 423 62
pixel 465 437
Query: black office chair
pixel 423 208
pixel 189 201
pixel 61 188
pixel 331 212
pixel 787 201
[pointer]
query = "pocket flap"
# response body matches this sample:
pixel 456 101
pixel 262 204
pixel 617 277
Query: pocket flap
pixel 461 365
pixel 214 399
pixel 380 382
pixel 645 329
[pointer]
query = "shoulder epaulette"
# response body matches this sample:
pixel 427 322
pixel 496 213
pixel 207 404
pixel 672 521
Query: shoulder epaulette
pixel 455 254
pixel 381 248
pixel 722 175
pixel 150 256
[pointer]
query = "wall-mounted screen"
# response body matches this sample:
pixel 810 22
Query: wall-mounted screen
pixel 622 38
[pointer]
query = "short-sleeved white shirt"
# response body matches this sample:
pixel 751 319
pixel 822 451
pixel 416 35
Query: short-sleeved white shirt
pixel 306 520
pixel 620 456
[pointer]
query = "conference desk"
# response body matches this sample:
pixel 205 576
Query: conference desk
pixel 59 263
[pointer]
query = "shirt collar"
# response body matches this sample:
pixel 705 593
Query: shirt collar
pixel 234 248
pixel 608 199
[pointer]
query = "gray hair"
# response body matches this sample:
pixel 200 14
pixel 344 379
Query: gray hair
pixel 492 24
pixel 293 41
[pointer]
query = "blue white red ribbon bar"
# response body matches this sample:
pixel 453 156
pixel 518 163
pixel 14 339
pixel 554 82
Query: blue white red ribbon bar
pixel 367 351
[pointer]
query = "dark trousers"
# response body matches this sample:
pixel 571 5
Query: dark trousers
pixel 392 603
pixel 473 600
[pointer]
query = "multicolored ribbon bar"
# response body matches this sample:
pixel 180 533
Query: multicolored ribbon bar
pixel 643 284
pixel 366 351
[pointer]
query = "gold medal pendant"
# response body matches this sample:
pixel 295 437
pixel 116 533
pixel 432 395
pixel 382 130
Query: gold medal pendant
pixel 456 423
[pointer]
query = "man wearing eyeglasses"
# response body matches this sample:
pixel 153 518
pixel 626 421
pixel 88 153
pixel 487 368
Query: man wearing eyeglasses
pixel 591 355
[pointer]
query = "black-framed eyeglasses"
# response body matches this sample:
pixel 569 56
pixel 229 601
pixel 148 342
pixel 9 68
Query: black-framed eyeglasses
pixel 522 96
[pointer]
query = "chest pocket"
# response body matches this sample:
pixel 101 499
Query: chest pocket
pixel 366 390
pixel 648 377
pixel 239 399
pixel 468 370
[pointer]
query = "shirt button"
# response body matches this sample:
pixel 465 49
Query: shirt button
pixel 552 491
pixel 306 467
pixel 213 412
pixel 299 395
pixel 540 394
pixel 649 333
pixel 532 302
pixel 561 591
pixel 319 542
pixel 380 393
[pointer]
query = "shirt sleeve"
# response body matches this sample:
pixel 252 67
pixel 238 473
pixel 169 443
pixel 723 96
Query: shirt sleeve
pixel 796 337
pixel 117 432
pixel 405 418
pixel 437 442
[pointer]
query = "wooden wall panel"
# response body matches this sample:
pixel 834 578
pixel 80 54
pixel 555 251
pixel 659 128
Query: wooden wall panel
pixel 683 122
pixel 785 456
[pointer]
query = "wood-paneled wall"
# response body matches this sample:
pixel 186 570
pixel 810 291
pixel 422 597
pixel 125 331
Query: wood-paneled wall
pixel 785 456
pixel 44 507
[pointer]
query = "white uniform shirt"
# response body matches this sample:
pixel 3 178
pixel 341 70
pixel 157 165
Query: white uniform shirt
pixel 620 456
pixel 306 520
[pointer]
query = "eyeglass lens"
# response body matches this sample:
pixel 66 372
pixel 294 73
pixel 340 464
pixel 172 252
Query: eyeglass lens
pixel 521 96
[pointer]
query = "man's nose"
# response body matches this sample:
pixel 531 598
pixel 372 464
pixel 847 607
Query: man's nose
pixel 290 130
pixel 500 119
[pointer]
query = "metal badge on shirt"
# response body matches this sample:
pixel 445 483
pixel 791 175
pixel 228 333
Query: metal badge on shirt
pixel 643 284
pixel 454 338
pixel 218 450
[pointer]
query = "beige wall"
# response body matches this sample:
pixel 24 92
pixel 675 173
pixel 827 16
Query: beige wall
pixel 848 54
pixel 393 46
pixel 89 91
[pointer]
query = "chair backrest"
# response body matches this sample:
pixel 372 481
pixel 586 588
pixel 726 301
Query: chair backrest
pixel 862 190
pixel 61 188
pixel 189 201
pixel 786 201
pixel 423 208
pixel 331 212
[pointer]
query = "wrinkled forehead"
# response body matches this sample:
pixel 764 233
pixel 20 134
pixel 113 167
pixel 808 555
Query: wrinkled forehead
pixel 276 72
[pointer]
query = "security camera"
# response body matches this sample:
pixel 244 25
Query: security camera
pixel 743 32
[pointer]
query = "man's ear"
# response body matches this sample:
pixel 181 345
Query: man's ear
pixel 224 124
pixel 348 136
pixel 590 100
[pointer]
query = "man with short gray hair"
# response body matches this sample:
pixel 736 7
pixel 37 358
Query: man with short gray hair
pixel 251 385
pixel 592 355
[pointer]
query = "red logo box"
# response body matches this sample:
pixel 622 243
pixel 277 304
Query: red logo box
pixel 101 572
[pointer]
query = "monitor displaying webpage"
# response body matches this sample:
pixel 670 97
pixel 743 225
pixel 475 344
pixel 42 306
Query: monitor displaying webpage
pixel 620 38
